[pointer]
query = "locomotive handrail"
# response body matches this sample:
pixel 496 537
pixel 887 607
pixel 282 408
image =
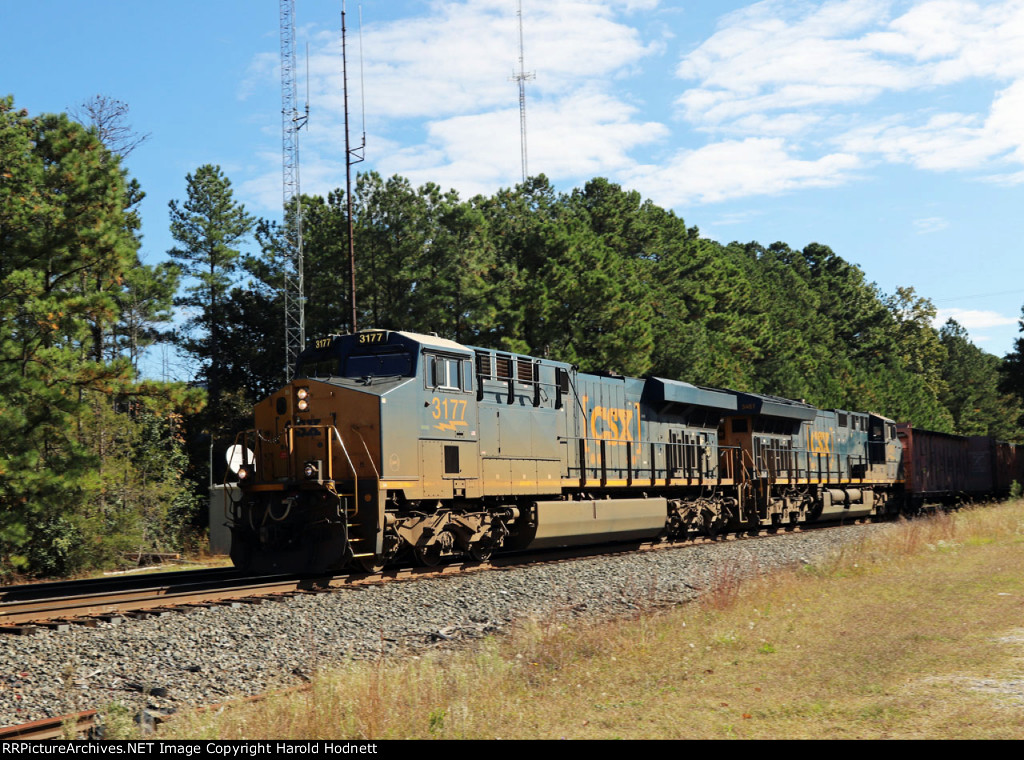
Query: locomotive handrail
pixel 355 475
pixel 795 470
pixel 772 460
pixel 369 456
pixel 712 470
pixel 292 474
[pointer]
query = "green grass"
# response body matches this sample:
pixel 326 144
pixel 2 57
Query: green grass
pixel 917 633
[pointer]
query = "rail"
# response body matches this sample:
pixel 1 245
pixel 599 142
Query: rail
pixel 71 726
pixel 155 593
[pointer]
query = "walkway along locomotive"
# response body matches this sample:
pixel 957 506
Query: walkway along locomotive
pixel 392 442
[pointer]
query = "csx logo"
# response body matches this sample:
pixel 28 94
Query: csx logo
pixel 819 442
pixel 611 423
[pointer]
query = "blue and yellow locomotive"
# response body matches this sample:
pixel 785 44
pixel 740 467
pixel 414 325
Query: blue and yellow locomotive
pixel 393 443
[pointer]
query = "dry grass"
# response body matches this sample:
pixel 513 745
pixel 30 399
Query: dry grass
pixel 918 633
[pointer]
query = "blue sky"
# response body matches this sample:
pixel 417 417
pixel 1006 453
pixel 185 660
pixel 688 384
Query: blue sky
pixel 891 131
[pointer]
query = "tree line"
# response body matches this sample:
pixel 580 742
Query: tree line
pixel 96 461
pixel 604 279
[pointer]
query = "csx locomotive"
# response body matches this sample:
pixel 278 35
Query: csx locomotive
pixel 393 443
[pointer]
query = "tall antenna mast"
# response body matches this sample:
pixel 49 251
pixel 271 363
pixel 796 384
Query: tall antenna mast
pixel 521 78
pixel 291 122
pixel 352 156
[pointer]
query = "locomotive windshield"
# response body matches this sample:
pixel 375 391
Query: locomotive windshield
pixel 378 364
pixel 327 368
pixel 386 361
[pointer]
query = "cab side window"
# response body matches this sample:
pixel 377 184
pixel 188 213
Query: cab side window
pixel 448 373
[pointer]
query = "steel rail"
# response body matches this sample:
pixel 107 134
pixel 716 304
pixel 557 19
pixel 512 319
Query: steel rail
pixel 59 727
pixel 27 591
pixel 156 596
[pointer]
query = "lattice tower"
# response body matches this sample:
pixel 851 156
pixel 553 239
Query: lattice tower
pixel 291 122
pixel 521 77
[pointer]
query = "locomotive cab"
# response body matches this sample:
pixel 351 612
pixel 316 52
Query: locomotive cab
pixel 351 461
pixel 310 492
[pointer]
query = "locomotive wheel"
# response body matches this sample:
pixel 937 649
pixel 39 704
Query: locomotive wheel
pixel 372 564
pixel 711 523
pixel 481 552
pixel 377 562
pixel 429 555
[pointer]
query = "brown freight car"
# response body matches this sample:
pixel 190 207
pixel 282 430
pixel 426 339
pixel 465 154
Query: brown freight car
pixel 936 466
pixel 940 467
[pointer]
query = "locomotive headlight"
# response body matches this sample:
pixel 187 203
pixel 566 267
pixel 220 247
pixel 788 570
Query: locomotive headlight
pixel 302 394
pixel 244 472
pixel 312 469
pixel 303 405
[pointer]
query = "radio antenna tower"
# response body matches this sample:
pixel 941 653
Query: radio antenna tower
pixel 521 78
pixel 352 156
pixel 291 122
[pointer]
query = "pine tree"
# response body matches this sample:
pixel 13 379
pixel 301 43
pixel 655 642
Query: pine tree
pixel 209 226
pixel 64 245
pixel 1011 373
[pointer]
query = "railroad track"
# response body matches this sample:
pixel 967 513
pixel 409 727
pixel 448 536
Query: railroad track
pixel 26 609
pixel 112 584
pixel 174 585
pixel 72 726
pixel 23 609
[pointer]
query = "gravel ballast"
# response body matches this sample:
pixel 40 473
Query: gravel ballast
pixel 212 655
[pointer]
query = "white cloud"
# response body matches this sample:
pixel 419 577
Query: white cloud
pixel 459 57
pixel 442 108
pixel 766 58
pixel 825 75
pixel 930 224
pixel 950 140
pixel 973 319
pixel 963 39
pixel 787 95
pixel 582 135
pixel 734 168
pixel 262 67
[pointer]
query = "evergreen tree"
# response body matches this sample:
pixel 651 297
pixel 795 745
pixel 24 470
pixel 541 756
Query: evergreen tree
pixel 144 299
pixel 209 226
pixel 916 358
pixel 66 242
pixel 393 230
pixel 325 242
pixel 1011 372
pixel 971 393
pixel 457 274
